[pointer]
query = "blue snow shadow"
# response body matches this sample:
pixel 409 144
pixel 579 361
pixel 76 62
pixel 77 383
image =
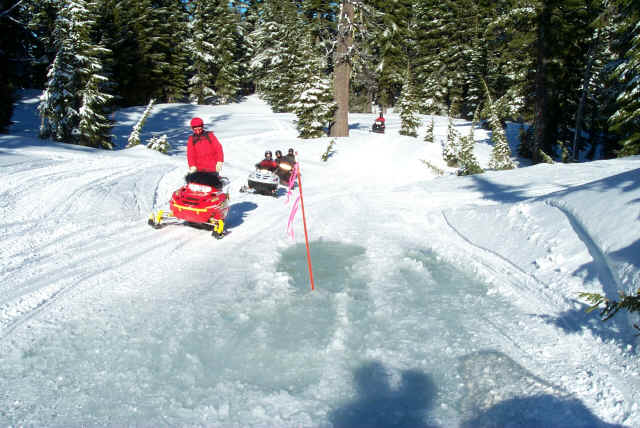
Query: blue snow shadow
pixel 577 320
pixel 173 123
pixel 380 405
pixel 525 399
pixel 539 411
pixel 238 212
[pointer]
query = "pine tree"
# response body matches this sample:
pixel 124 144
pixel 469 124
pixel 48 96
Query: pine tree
pixel 474 69
pixel 509 60
pixel 428 136
pixel 393 53
pixel 364 81
pixel 501 153
pixel 244 47
pixel 227 77
pixel 275 42
pixel 39 41
pixel 468 163
pixel 626 120
pixel 313 94
pixel 444 34
pixel 159 143
pixel 201 49
pixel 459 26
pixel 451 149
pixel 94 128
pixel 150 56
pixel 173 18
pixel 428 63
pixel 409 109
pixel 134 137
pixel 70 106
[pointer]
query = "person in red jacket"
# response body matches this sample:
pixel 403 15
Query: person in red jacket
pixel 267 163
pixel 204 151
pixel 380 119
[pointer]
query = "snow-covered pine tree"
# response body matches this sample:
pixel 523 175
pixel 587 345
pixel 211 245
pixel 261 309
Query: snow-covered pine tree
pixel 428 63
pixel 244 46
pixel 468 163
pixel 476 53
pixel 159 143
pixel 94 128
pixel 71 105
pixel 313 95
pixel 428 136
pixel 226 61
pixel 201 49
pixel 501 153
pixel 626 120
pixel 173 19
pixel 148 50
pixel 409 108
pixel 509 61
pixel 275 44
pixel 364 77
pixel 134 137
pixel 458 25
pixel 451 147
pixel 391 43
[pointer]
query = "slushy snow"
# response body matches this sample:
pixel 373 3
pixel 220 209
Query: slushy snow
pixel 440 301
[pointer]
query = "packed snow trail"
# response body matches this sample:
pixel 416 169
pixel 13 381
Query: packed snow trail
pixel 439 302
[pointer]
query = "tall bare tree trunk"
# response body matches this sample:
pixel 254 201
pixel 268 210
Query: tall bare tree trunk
pixel 540 120
pixel 342 71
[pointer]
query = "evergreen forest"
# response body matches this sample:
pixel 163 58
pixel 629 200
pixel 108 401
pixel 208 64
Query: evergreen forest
pixel 568 69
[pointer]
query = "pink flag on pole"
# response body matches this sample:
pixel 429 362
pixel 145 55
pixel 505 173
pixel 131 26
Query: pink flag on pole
pixel 294 208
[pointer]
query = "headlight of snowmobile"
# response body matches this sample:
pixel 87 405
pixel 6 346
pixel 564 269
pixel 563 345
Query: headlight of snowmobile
pixel 285 166
pixel 199 187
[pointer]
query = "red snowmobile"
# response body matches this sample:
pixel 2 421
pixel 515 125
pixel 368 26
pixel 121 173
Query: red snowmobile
pixel 204 200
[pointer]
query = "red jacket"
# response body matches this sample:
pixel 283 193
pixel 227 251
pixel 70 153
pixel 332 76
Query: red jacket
pixel 269 164
pixel 380 119
pixel 204 153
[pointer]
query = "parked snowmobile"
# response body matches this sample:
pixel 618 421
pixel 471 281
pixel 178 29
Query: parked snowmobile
pixel 263 182
pixel 204 200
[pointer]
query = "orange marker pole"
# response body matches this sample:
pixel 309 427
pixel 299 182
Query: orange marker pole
pixel 306 236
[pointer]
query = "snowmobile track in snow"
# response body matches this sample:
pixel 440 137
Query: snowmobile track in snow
pixel 497 263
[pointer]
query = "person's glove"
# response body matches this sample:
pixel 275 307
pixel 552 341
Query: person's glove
pixel 218 166
pixel 192 169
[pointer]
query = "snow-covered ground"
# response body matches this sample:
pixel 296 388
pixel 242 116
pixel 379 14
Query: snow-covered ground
pixel 440 301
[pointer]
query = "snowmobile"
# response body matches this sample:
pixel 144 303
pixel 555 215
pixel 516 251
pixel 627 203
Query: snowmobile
pixel 284 172
pixel 202 201
pixel 378 127
pixel 263 182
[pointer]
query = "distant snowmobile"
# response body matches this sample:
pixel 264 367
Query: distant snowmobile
pixel 204 200
pixel 378 127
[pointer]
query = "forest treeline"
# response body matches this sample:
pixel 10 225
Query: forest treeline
pixel 568 68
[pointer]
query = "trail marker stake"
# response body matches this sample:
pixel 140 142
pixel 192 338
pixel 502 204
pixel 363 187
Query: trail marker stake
pixel 306 236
